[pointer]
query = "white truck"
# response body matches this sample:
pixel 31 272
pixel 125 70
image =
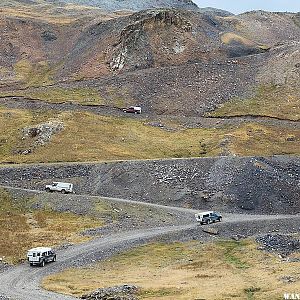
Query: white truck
pixel 63 187
pixel 40 255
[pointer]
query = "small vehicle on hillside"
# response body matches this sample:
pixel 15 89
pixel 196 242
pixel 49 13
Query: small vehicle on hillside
pixel 41 255
pixel 208 217
pixel 133 109
pixel 63 187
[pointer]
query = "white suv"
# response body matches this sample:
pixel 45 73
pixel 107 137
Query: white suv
pixel 63 187
pixel 40 255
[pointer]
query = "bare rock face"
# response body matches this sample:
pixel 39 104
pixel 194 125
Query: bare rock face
pixel 137 36
pixel 123 292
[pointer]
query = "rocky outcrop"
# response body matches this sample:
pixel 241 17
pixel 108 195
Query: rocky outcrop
pixel 40 134
pixel 136 36
pixel 123 292
pixel 43 132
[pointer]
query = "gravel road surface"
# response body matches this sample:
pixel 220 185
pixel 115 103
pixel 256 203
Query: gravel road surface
pixel 23 282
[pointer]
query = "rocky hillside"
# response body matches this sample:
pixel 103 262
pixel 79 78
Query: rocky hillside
pixel 253 184
pixel 184 67
pixel 135 5
pixel 166 60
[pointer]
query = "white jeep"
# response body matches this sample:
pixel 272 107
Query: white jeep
pixel 63 187
pixel 40 255
pixel 208 217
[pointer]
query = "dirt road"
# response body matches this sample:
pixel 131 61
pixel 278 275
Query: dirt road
pixel 105 110
pixel 23 281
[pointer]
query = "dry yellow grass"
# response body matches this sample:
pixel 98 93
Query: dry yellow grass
pixel 222 270
pixel 22 228
pixel 230 37
pixel 89 137
pixel 47 12
pixel 11 123
pixel 43 13
pixel 270 101
pixel 256 139
pixel 33 74
pixel 86 96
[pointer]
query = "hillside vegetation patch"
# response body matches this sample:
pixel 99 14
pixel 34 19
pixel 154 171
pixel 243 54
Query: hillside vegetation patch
pixel 22 227
pixel 269 101
pixel 41 11
pixel 256 139
pixel 230 37
pixel 90 137
pixel 33 74
pixel 221 270
pixel 86 96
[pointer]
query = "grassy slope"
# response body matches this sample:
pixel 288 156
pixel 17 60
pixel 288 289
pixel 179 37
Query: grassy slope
pixel 22 227
pixel 270 101
pixel 86 96
pixel 42 11
pixel 89 137
pixel 222 270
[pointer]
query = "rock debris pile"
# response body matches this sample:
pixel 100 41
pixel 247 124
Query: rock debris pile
pixel 282 244
pixel 40 134
pixel 123 292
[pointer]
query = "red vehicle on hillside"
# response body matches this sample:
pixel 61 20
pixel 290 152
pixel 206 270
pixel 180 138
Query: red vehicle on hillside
pixel 133 109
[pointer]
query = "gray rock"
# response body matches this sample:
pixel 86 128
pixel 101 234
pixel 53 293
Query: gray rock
pixel 283 245
pixel 211 230
pixel 122 292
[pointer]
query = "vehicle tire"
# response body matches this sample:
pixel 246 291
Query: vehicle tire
pixel 48 190
pixel 63 191
pixel 207 222
pixel 54 259
pixel 42 264
pixel 30 264
pixel 220 219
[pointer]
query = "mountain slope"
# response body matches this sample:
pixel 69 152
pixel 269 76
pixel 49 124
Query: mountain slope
pixel 134 5
pixel 179 65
